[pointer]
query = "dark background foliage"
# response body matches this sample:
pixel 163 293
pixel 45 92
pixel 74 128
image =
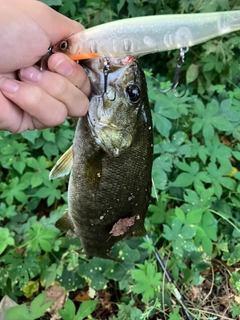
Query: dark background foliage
pixel 193 218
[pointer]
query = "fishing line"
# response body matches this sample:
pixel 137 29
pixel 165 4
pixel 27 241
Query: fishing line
pixel 169 279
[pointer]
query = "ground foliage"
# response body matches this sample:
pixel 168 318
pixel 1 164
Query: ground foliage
pixel 193 218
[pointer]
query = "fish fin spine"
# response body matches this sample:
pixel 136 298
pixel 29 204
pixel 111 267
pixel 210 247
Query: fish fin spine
pixel 63 165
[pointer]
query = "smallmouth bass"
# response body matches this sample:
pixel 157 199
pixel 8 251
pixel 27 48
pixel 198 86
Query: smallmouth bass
pixel 110 160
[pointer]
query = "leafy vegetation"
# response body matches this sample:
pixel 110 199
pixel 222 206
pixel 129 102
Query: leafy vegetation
pixel 194 215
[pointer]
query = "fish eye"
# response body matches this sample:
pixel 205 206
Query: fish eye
pixel 63 45
pixel 134 93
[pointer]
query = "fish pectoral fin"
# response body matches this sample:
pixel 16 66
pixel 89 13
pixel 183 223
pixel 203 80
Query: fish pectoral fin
pixel 139 231
pixel 63 165
pixel 64 223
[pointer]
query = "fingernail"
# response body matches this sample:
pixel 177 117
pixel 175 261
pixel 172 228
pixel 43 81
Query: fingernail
pixel 31 74
pixel 64 68
pixel 8 86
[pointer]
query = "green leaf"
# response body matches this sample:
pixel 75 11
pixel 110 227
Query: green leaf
pixel 209 224
pixel 212 109
pixel 128 311
pixel 197 126
pixel 93 272
pixel 192 73
pixel 208 131
pixel 52 2
pixel 202 238
pixel 128 255
pixel 49 275
pixel 180 214
pixel 120 5
pixel 48 135
pixel 172 233
pixel 158 214
pixel 14 190
pixel 232 257
pixel 217 188
pixel 37 308
pixel 50 149
pixel 186 245
pixel 191 196
pixel 159 178
pixel 5 239
pixel 68 313
pixel 235 310
pixel 70 280
pixel 183 166
pixel 148 281
pixel 41 238
pixel 175 314
pixel 183 180
pixel 19 166
pixel 85 310
pixel 36 180
pixel 163 125
pixel 199 108
pixel 18 312
pixel 208 66
pixel 194 216
pixel 221 123
pixel 7 211
pixel 188 231
pixel 30 135
pixel 42 193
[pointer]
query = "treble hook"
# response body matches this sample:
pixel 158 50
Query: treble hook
pixel 106 68
pixel 176 78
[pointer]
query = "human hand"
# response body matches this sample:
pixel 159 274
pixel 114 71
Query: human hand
pixel 28 29
pixel 41 99
pixel 44 99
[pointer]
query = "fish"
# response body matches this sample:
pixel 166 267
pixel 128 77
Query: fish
pixel 110 160
pixel 143 35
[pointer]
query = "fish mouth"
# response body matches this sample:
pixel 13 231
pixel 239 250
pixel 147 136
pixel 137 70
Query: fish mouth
pixel 98 117
pixel 96 124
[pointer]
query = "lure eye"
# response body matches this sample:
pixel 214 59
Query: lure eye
pixel 134 93
pixel 63 45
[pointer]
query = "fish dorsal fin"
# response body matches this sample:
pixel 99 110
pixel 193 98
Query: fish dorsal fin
pixel 63 166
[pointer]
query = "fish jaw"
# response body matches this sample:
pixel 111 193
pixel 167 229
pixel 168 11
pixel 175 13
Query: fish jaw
pixel 113 139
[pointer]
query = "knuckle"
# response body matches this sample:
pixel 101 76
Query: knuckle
pixel 79 105
pixel 34 96
pixel 59 115
pixel 60 88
